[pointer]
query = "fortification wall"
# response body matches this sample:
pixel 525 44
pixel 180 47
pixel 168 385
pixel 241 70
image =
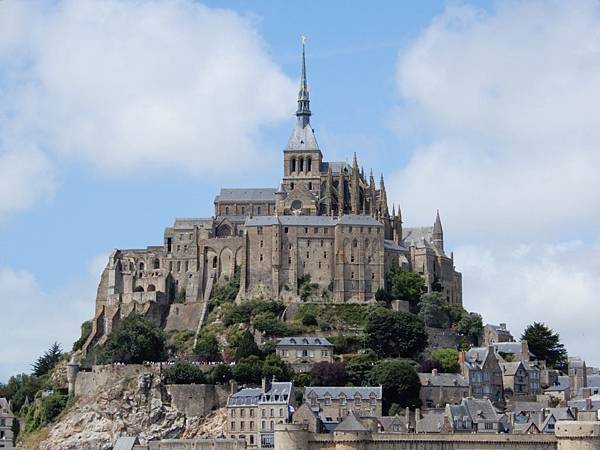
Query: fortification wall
pixel 87 383
pixel 197 399
pixel 195 444
pixel 183 316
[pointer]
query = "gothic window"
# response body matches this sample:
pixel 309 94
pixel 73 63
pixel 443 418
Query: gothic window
pixel 171 266
pixel 301 165
pixel 352 275
pixel 261 257
pixel 310 185
pixel 326 231
pixel 243 210
pixel 259 230
pixel 293 165
pixel 325 255
pixel 307 255
pixel 305 230
pixel 227 210
pixel 285 230
pixel 187 266
pixel 151 288
pixel 141 266
pixel 308 243
pixel 258 210
pixel 292 185
pixel 309 166
pixel 178 266
pixel 138 289
pixel 372 275
pixel 289 260
pixel 354 243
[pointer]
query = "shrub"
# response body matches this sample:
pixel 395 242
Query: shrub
pixel 245 346
pixel 309 320
pixel 358 366
pixel 207 348
pixel 248 370
pixel 274 367
pixel 220 374
pixel 433 310
pixel 448 359
pixel 347 343
pixel 226 293
pixel 183 372
pixel 86 330
pixel 134 340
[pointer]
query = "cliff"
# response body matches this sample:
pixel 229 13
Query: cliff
pixel 133 401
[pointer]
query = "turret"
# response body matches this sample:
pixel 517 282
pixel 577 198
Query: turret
pixel 383 207
pixel 72 372
pixel 354 187
pixel 438 233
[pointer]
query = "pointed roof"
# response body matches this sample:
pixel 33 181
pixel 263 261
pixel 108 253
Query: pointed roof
pixel 350 423
pixel 437 226
pixel 303 98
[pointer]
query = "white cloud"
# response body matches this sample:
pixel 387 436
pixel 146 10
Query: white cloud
pixel 553 283
pixel 136 87
pixel 33 318
pixel 506 107
pixel 25 177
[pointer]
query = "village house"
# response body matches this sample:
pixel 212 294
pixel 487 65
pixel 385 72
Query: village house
pixel 438 389
pixel 303 352
pixel 332 404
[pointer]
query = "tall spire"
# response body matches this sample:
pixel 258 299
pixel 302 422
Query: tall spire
pixel 438 232
pixel 303 111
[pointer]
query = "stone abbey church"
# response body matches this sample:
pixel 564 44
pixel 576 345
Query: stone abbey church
pixel 327 224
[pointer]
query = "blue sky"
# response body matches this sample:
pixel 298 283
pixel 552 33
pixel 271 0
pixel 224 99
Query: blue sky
pixel 482 109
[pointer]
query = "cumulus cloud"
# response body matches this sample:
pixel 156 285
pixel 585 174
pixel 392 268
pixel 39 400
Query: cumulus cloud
pixel 33 318
pixel 25 177
pixel 137 86
pixel 505 104
pixel 553 283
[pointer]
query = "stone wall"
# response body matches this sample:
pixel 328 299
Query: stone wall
pixel 194 444
pixel 183 316
pixel 87 383
pixel 197 400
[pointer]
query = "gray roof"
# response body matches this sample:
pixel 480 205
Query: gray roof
pixel 417 236
pixel 4 406
pixel 593 380
pixel 312 221
pixel 563 382
pixel 302 138
pixel 279 392
pixel 348 392
pixel 245 397
pixel 391 245
pixel 125 443
pixel 510 368
pixel 336 166
pixel 508 347
pixel 528 407
pixel 443 379
pixel 304 340
pixel 246 195
pixel 350 423
pixel 430 423
pixel 480 410
pixel 191 222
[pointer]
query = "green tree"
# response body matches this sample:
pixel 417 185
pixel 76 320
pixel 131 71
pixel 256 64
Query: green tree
pixel 399 381
pixel 328 374
pixel 86 330
pixel 226 293
pixel 358 366
pixel 20 387
pixel 220 374
pixel 274 367
pixel 268 324
pixel 470 326
pixel 183 372
pixel 309 320
pixel 248 370
pixel 448 359
pixel 245 346
pixel 407 286
pixel 45 363
pixel 134 340
pixel 207 348
pixel 433 311
pixel 395 333
pixel 545 344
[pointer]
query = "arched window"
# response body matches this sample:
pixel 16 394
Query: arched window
pixel 141 265
pixel 151 288
pixel 310 186
pixel 156 263
pixel 300 164
pixel 309 164
pixel 138 289
pixel 293 165
pixel 214 262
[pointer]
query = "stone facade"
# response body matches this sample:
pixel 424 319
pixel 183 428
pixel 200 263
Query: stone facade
pixel 253 413
pixel 303 352
pixel 6 421
pixel 482 369
pixel 496 333
pixel 327 228
pixel 438 389
pixel 332 404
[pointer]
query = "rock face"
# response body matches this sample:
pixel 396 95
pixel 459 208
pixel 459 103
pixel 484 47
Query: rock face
pixel 137 405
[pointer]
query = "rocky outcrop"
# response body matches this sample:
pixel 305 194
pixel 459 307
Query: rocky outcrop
pixel 135 405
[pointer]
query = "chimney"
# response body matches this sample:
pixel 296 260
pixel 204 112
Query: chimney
pixel 266 385
pixel 233 387
pixel 461 361
pixel 525 350
pixel 586 392
pixel 434 372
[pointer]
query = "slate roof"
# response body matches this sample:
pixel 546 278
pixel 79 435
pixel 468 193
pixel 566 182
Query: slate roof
pixel 510 368
pixel 528 407
pixel 593 380
pixel 245 397
pixel 509 347
pixel 430 423
pixel 563 382
pixel 388 422
pixel 349 392
pixel 125 443
pixel 391 245
pixel 336 166
pixel 189 223
pixel 304 340
pixel 313 221
pixel 246 195
pixel 302 138
pixel 350 423
pixel 443 379
pixel 279 392
pixel 415 235
pixel 4 406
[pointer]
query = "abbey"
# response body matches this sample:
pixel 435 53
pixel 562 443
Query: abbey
pixel 326 234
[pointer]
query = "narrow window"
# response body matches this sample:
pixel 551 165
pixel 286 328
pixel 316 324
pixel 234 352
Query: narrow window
pixel 261 257
pixel 292 185
pixel 261 244
pixel 301 165
pixel 285 230
pixel 309 165
pixel 307 255
pixel 227 210
pixel 325 255
pixel 293 169
pixel 305 230
pixel 321 242
pixel 289 260
pixel 352 275
pixel 310 186
pixel 243 210
pixel 258 210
